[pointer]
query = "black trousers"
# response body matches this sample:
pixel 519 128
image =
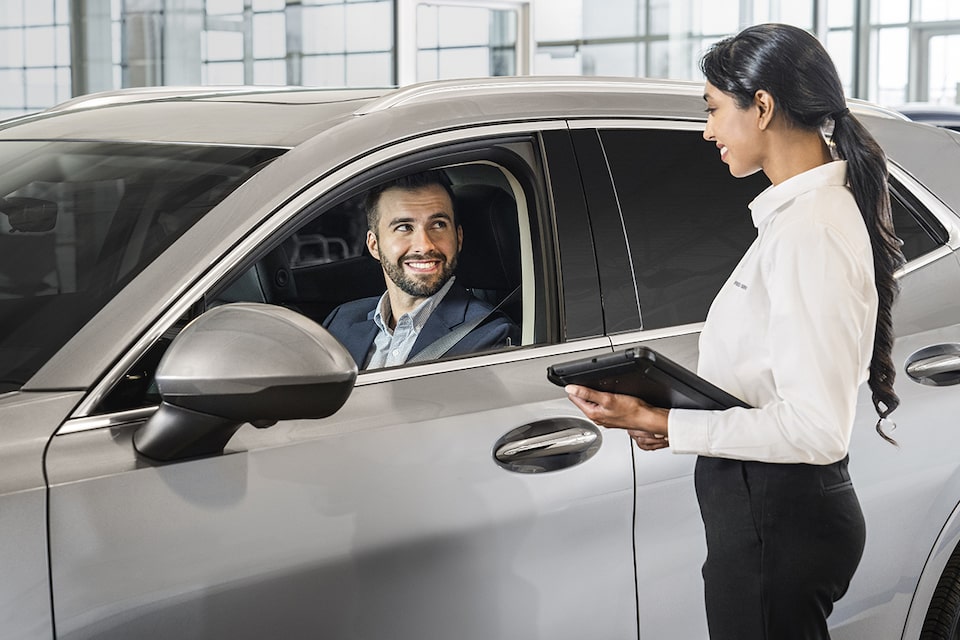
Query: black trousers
pixel 783 542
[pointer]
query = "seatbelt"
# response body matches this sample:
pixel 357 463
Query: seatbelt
pixel 441 345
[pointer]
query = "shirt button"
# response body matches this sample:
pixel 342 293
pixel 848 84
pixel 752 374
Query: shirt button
pixel 396 352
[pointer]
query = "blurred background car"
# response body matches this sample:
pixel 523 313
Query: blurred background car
pixel 940 115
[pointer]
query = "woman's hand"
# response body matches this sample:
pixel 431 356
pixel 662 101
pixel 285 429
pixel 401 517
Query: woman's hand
pixel 646 425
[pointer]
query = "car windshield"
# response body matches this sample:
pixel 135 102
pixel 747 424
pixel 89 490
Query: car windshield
pixel 79 219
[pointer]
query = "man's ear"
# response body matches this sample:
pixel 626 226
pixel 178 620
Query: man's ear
pixel 372 245
pixel 459 238
pixel 766 106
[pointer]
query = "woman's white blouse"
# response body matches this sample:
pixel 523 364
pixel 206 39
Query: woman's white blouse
pixel 791 332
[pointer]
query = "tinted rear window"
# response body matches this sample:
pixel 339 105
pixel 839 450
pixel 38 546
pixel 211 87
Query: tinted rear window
pixel 78 220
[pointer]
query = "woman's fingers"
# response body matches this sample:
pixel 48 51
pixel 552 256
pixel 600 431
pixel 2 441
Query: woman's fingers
pixel 649 441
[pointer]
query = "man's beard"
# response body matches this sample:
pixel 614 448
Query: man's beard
pixel 417 287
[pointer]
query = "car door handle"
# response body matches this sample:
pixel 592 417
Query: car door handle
pixel 548 445
pixel 937 365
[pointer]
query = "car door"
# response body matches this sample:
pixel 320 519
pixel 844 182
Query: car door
pixel 686 225
pixel 661 194
pixel 399 516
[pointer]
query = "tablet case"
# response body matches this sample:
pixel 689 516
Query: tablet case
pixel 646 374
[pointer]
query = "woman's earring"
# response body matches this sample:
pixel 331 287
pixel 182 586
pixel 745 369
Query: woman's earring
pixel 826 132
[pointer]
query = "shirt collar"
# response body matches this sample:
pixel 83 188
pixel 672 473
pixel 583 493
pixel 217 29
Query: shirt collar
pixel 774 197
pixel 418 316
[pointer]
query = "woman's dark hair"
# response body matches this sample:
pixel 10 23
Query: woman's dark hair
pixel 791 65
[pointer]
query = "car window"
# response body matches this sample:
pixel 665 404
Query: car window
pixel 325 262
pixel 685 217
pixel 79 219
pixel 688 224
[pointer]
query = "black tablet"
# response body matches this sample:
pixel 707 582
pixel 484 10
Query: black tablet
pixel 646 374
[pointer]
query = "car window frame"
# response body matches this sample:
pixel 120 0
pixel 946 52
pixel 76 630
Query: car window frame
pixel 922 204
pixel 326 189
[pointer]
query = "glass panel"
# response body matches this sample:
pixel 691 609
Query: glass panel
pixel 565 20
pixel 660 16
pixel 116 37
pixel 890 12
pixel 840 46
pixel 684 242
pixel 609 59
pixel 464 63
pixel 840 13
pixel 428 26
pixel 41 88
pixel 37 12
pixel 11 49
pixel 269 35
pixel 324 71
pixel 12 14
pixel 891 85
pixel 369 26
pixel 464 26
pixel 64 84
pixel 427 65
pixel 70 231
pixel 62 36
pixel 323 29
pixel 222 45
pixel 933 10
pixel 63 11
pixel 41 46
pixel 269 5
pixel 943 74
pixel 503 28
pixel 370 70
pixel 797 12
pixel 503 61
pixel 224 7
pixel 610 19
pixel 12 96
pixel 719 16
pixel 231 73
pixel 270 72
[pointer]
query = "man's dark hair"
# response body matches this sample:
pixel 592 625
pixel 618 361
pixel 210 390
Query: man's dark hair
pixel 410 182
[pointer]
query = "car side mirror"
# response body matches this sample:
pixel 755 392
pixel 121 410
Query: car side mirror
pixel 238 363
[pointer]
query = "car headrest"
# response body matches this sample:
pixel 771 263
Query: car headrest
pixel 490 257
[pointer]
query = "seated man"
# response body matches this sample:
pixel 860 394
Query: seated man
pixel 414 234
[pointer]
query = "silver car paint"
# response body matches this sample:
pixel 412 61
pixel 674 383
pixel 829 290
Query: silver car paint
pixel 398 489
pixel 26 425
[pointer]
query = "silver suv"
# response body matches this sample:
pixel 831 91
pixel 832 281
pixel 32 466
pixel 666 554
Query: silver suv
pixel 186 453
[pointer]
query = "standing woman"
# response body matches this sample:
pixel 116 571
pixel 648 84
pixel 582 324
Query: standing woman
pixel 803 321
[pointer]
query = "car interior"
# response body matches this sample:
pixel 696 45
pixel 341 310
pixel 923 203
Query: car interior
pixel 326 263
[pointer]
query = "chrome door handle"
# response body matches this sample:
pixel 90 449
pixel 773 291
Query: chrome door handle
pixel 548 445
pixel 937 365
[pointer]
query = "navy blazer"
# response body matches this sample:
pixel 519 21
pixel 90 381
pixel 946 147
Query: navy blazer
pixel 352 324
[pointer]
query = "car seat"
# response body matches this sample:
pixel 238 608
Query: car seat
pixel 489 263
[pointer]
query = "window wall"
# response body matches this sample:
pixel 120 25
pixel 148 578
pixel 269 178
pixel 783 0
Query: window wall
pixel 34 55
pixel 888 51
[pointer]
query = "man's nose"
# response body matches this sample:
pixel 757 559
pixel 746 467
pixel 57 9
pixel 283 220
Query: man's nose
pixel 422 241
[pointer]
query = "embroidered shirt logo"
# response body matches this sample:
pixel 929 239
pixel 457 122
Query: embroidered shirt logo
pixel 739 285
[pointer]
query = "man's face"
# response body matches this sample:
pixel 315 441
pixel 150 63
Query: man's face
pixel 416 241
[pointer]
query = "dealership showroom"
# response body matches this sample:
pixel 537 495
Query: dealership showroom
pixel 887 51
pixel 480 319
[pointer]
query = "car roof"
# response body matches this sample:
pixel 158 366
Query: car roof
pixel 287 116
